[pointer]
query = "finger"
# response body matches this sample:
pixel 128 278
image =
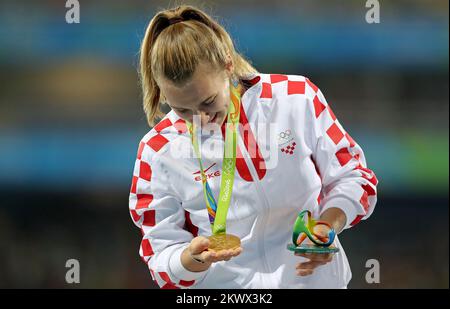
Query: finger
pixel 322 238
pixel 304 272
pixel 309 265
pixel 223 255
pixel 206 256
pixel 326 257
pixel 212 256
pixel 305 255
pixel 321 231
pixel 198 245
pixel 216 256
pixel 226 254
pixel 237 251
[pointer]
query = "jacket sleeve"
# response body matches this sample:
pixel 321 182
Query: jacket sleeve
pixel 347 183
pixel 162 221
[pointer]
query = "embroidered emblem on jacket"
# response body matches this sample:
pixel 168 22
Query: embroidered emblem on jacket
pixel 286 142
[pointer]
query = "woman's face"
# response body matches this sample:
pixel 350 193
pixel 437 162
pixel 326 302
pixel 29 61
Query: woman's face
pixel 206 94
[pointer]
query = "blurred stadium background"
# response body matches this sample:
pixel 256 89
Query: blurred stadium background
pixel 71 120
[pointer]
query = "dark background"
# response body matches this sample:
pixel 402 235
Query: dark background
pixel 71 120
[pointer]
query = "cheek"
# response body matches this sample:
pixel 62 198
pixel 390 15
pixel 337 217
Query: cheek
pixel 186 116
pixel 224 102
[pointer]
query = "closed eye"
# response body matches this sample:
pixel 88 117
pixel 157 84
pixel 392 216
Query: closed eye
pixel 210 102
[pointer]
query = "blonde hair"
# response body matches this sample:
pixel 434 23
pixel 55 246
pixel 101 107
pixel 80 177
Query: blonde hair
pixel 175 41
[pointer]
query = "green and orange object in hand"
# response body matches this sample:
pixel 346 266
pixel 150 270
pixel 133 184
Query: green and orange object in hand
pixel 304 228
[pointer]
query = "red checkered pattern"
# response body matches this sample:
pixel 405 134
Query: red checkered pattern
pixel 276 78
pixel 141 199
pixel 145 171
pixel 163 280
pixel 186 283
pixel 350 140
pixel 334 131
pixel 252 148
pixel 319 107
pixel 266 92
pixel 158 141
pixel 369 190
pixel 141 148
pixel 289 149
pixel 344 155
pixel 293 86
pixel 189 226
pixel 296 87
pixel 163 124
pixel 180 125
pixel 310 84
pixel 147 250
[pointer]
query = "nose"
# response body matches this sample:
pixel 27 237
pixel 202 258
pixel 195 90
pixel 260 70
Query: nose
pixel 205 119
pixel 201 117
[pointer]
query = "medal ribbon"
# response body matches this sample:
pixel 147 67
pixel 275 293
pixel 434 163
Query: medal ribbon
pixel 217 212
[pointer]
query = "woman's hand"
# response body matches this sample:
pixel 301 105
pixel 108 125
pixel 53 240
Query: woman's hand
pixel 337 219
pixel 196 258
pixel 315 259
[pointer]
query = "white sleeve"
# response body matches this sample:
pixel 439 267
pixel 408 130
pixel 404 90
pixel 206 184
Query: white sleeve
pixel 347 183
pixel 158 213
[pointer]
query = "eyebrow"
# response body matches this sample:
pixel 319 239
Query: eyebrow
pixel 204 101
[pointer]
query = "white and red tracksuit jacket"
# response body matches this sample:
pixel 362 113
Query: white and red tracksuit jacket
pixel 307 162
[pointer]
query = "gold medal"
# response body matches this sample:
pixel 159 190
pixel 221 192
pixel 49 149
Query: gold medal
pixel 221 242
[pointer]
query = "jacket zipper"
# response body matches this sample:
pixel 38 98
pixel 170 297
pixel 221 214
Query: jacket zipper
pixel 262 197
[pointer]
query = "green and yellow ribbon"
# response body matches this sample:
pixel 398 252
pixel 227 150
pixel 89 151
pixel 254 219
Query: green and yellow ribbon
pixel 217 212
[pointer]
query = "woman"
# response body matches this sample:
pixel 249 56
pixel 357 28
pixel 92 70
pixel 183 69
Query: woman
pixel 309 162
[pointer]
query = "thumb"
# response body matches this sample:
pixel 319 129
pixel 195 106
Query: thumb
pixel 198 245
